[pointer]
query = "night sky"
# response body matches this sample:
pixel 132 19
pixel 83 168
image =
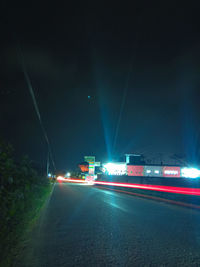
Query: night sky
pixel 108 80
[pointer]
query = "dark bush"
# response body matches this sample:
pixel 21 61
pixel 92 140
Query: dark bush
pixel 21 189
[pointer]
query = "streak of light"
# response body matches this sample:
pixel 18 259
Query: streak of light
pixel 60 178
pixel 162 188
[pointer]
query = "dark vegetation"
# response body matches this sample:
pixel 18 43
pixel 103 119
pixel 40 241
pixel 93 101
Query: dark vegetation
pixel 22 194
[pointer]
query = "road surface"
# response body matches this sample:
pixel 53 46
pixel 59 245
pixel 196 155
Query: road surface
pixel 87 226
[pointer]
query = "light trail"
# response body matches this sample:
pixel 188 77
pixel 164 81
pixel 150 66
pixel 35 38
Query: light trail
pixel 161 188
pixel 60 178
pixel 75 181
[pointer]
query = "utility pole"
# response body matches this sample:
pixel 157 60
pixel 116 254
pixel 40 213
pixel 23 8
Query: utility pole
pixel 30 88
pixel 47 163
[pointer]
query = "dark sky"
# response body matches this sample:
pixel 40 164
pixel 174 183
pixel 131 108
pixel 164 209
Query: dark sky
pixel 140 65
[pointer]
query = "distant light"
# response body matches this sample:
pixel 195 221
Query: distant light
pixel 89 178
pixel 68 174
pixel 89 97
pixel 49 174
pixel 60 178
pixel 115 168
pixel 156 171
pixel 148 171
pixel 190 172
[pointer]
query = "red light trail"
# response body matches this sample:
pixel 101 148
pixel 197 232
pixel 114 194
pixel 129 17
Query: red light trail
pixel 60 178
pixel 161 188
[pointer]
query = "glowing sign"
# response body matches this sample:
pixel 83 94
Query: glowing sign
pixel 190 172
pixel 91 168
pixel 89 158
pixel 171 172
pixel 115 168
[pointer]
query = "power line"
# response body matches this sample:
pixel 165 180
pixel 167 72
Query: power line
pixel 122 108
pixel 35 104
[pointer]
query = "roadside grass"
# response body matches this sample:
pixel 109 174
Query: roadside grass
pixel 19 213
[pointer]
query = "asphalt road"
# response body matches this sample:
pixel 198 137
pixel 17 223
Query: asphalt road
pixel 87 226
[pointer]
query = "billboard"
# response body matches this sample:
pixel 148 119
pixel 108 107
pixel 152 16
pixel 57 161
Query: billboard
pixel 153 171
pixel 89 159
pixel 133 170
pixel 171 171
pixel 91 168
pixel 190 172
pixel 115 168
